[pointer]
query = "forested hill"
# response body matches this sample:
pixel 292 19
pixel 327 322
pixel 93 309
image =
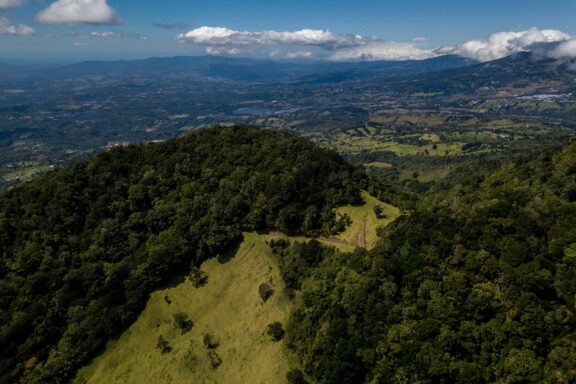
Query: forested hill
pixel 476 286
pixel 82 247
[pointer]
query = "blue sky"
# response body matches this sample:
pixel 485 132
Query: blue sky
pixel 441 23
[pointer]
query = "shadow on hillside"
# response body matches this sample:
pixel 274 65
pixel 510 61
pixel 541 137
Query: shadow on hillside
pixel 173 283
pixel 227 255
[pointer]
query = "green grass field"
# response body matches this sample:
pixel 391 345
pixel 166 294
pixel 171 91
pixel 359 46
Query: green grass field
pixel 228 307
pixel 351 142
pixel 362 232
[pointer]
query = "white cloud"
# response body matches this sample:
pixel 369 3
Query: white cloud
pixel 78 12
pixel 299 55
pixel 503 44
pixel 384 51
pixel 218 36
pixel 341 47
pixel 110 35
pixel 227 41
pixel 223 51
pixel 10 3
pixel 564 50
pixel 7 28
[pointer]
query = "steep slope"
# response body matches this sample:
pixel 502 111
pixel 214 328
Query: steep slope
pixel 228 307
pixel 475 286
pixel 82 247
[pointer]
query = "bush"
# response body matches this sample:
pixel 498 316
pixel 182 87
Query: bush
pixel 163 345
pixel 295 376
pixel 379 212
pixel 198 277
pixel 182 322
pixel 265 291
pixel 342 223
pixel 215 359
pixel 210 341
pixel 276 331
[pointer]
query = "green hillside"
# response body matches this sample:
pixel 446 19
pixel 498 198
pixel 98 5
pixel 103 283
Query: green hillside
pixel 84 246
pixel 228 307
pixel 477 285
pixel 291 265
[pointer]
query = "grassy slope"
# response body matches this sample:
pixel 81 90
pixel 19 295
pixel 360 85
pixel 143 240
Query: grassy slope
pixel 362 232
pixel 229 307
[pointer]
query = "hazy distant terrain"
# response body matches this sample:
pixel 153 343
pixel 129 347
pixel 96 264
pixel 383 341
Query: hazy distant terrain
pixel 394 112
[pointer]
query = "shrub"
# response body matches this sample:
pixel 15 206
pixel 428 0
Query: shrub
pixel 295 376
pixel 198 277
pixel 276 331
pixel 183 322
pixel 215 359
pixel 163 345
pixel 379 212
pixel 265 291
pixel 210 341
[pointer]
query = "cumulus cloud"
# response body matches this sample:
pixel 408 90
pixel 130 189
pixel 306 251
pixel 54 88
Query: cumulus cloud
pixel 10 3
pixel 384 51
pixel 78 12
pixel 7 28
pixel 565 50
pixel 503 44
pixel 219 40
pixel 218 36
pixel 341 47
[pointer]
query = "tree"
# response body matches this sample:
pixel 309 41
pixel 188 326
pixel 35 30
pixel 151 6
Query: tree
pixel 210 341
pixel 265 291
pixel 182 322
pixel 295 376
pixel 276 331
pixel 197 277
pixel 379 212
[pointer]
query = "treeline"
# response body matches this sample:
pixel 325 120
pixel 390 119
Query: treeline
pixel 477 285
pixel 82 247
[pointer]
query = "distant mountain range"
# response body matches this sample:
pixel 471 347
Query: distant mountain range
pixel 458 73
pixel 245 69
pixel 518 71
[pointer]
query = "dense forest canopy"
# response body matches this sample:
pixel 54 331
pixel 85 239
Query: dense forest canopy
pixel 82 247
pixel 477 285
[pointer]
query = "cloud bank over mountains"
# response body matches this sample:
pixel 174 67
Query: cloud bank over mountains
pixel 503 44
pixel 218 36
pixel 220 40
pixel 565 50
pixel 384 50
